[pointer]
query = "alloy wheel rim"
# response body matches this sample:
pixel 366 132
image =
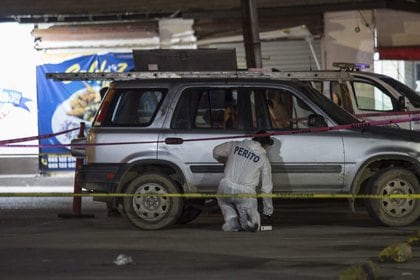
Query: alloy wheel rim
pixel 397 207
pixel 150 205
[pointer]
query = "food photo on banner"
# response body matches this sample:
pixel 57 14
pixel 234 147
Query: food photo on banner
pixel 63 105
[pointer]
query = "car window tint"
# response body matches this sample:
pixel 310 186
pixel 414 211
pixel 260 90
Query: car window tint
pixel 211 108
pixel 286 111
pixel 340 95
pixel 136 107
pixel 369 97
pixel 336 113
pixel 240 108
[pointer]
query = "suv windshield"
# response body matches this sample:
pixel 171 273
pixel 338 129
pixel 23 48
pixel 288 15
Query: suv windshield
pixel 404 90
pixel 339 115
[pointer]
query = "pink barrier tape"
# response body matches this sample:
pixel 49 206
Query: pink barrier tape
pixel 360 125
pixel 37 137
pixel 78 145
pixel 316 129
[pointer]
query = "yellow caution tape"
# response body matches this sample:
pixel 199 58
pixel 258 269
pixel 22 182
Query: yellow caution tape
pixel 214 195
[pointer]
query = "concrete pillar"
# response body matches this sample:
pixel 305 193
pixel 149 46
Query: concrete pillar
pixel 349 37
pixel 251 33
pixel 175 33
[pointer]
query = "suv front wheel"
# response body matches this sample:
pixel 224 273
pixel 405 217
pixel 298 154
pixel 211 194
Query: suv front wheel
pixel 393 211
pixel 146 206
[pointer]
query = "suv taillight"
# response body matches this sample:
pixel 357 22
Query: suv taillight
pixel 103 110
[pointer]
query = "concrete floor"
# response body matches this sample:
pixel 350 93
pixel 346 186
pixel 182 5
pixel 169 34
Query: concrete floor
pixel 309 240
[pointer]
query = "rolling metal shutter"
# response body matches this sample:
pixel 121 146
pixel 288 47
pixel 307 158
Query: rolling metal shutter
pixel 285 55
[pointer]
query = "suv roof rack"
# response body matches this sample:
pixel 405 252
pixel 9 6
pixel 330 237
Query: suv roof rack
pixel 126 76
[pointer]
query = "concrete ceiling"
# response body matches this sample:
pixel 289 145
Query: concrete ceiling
pixel 211 17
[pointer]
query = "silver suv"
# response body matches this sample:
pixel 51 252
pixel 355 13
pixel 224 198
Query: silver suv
pixel 154 135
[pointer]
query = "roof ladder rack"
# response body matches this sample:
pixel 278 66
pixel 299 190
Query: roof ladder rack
pixel 126 76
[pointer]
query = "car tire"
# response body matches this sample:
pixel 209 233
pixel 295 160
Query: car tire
pixel 393 211
pixel 150 212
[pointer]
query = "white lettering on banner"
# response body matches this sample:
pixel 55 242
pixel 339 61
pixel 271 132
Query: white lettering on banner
pixel 93 68
pixel 60 161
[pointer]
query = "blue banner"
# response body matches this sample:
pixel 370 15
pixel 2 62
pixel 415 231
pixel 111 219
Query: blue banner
pixel 63 105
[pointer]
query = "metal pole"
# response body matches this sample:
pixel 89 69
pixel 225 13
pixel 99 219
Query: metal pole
pixel 251 33
pixel 309 40
pixel 77 200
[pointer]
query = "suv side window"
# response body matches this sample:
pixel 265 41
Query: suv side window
pixel 372 98
pixel 135 107
pixel 285 110
pixel 242 108
pixel 340 95
pixel 210 108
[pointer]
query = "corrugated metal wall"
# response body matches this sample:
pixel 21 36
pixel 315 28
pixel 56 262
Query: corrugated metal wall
pixel 285 55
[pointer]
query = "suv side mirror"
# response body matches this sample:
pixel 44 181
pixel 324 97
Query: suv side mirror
pixel 401 103
pixel 315 120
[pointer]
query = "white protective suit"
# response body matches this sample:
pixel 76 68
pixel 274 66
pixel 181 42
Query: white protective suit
pixel 246 162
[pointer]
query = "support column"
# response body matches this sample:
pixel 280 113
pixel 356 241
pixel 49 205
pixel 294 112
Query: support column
pixel 348 38
pixel 251 33
pixel 175 33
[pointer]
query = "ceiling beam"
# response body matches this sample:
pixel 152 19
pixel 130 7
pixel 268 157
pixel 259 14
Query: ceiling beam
pixel 408 6
pixel 211 28
pixel 97 31
pixel 310 7
pixel 30 11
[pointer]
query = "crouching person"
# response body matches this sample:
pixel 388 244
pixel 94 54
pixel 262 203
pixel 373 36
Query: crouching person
pixel 245 163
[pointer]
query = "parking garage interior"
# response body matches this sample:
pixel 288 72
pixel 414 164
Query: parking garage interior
pixel 96 36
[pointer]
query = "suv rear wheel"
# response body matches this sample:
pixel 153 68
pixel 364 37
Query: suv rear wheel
pixel 152 210
pixel 393 211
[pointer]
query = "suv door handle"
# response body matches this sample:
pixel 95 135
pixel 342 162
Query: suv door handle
pixel 174 141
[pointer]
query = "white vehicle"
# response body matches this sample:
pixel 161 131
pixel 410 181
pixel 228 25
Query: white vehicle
pixel 366 95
